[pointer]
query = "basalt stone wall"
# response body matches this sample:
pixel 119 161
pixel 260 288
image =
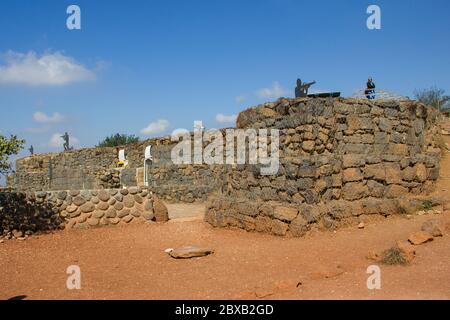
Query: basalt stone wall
pixel 187 183
pixel 96 168
pixel 281 218
pixel 24 213
pixel 339 158
pixel 172 182
pixel 330 150
pixel 71 170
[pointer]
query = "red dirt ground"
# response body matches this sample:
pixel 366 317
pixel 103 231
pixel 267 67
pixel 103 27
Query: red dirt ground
pixel 129 262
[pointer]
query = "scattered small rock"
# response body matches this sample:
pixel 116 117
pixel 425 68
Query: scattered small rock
pixel 17 233
pixel 190 252
pixel 373 255
pixel 263 293
pixel 169 250
pixel 420 237
pixel 361 225
pixel 407 249
pixel 433 227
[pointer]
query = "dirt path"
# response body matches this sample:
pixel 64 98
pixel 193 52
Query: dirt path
pixel 186 212
pixel 130 262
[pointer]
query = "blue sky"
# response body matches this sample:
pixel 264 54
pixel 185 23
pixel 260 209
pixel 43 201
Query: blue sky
pixel 148 67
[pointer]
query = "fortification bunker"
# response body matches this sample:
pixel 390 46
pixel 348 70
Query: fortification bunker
pixel 339 159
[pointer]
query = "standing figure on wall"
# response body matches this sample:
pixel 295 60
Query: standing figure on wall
pixel 31 149
pixel 370 89
pixel 66 145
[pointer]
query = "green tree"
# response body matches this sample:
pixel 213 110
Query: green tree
pixel 8 147
pixel 118 139
pixel 434 97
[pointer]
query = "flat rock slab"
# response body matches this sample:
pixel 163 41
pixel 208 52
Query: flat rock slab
pixel 190 252
pixel 420 238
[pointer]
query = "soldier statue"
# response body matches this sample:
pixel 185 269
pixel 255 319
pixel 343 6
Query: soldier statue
pixel 66 145
pixel 31 149
pixel 301 90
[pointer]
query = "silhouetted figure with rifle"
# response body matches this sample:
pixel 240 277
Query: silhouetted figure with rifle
pixel 301 90
pixel 66 145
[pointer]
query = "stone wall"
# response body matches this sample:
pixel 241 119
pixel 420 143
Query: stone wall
pixel 339 158
pixel 71 170
pixel 96 168
pixel 187 183
pixel 334 154
pixel 281 218
pixel 24 213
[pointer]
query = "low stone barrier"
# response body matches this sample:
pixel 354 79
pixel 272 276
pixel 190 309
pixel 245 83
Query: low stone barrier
pixel 296 220
pixel 24 213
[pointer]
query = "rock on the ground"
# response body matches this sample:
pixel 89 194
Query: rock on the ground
pixel 361 225
pixel 446 206
pixel 433 227
pixel 160 209
pixel 260 293
pixel 17 233
pixel 190 252
pixel 420 237
pixel 373 255
pixel 407 248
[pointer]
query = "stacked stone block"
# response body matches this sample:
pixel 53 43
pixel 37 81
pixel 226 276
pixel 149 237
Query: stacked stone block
pixel 77 209
pixel 339 159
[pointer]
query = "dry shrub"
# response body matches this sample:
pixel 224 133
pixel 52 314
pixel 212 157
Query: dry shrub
pixel 394 256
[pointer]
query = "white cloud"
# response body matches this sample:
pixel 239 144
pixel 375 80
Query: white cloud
pixel 41 129
pixel 50 69
pixel 276 91
pixel 56 141
pixel 240 99
pixel 221 118
pixel 158 126
pixel 41 117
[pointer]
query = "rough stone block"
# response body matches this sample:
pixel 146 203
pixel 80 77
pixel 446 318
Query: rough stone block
pixel 284 213
pixel 354 191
